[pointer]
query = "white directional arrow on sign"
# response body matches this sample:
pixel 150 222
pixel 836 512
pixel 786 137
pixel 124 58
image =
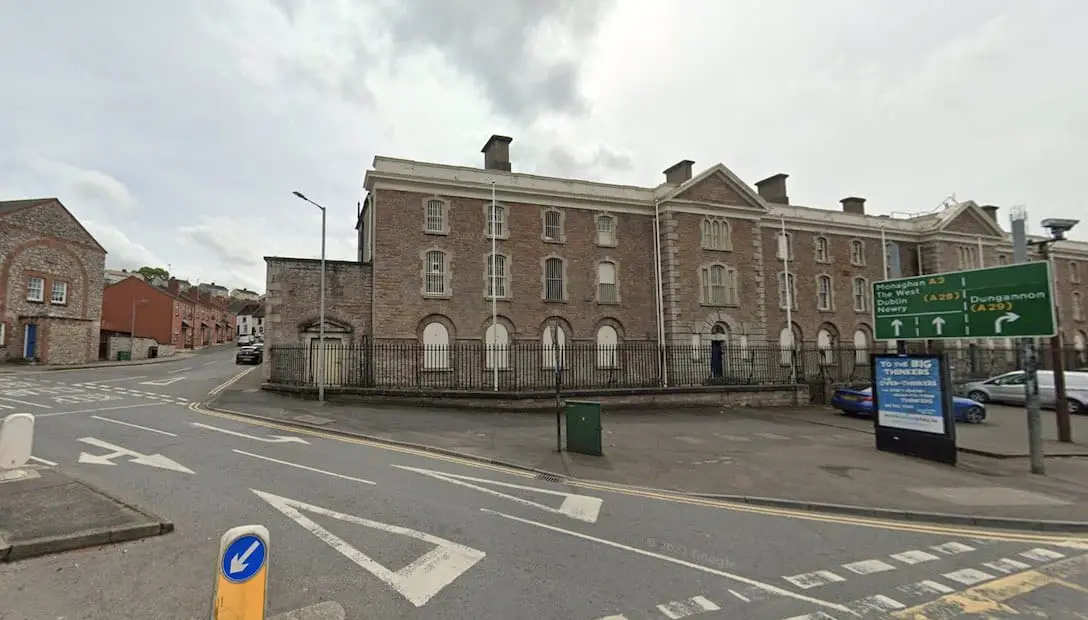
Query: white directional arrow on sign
pixel 419 581
pixel 896 325
pixel 1010 317
pixel 153 460
pixel 938 324
pixel 580 507
pixel 273 439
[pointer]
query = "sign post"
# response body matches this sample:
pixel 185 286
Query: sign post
pixel 1012 301
pixel 241 584
pixel 912 397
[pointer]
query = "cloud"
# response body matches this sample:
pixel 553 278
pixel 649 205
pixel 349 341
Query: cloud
pixel 122 252
pixel 88 185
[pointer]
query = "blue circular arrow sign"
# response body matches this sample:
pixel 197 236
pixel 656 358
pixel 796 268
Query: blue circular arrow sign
pixel 243 558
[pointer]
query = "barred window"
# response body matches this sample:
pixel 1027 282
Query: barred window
pixel 607 291
pixel 553 280
pixel 434 273
pixel 496 276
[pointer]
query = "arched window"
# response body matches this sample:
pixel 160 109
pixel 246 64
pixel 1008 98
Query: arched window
pixel 554 347
pixel 825 340
pixel 608 342
pixel 786 344
pixel 607 291
pixel 436 346
pixel 823 254
pixel 1078 309
pixel 861 347
pixel 696 347
pixel 823 292
pixel 716 234
pixel 496 220
pixel 857 252
pixel 1080 343
pixel 497 340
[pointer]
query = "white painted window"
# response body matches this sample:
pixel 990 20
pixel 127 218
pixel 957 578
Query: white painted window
pixel 553 225
pixel 606 230
pixel 1078 309
pixel 716 234
pixel 496 221
pixel 607 291
pixel 823 250
pixel 785 246
pixel 553 347
pixel 718 285
pixel 607 347
pixel 435 217
pixel 35 289
pixel 1074 272
pixel 436 347
pixel 823 293
pixel 824 342
pixel 857 252
pixel 553 280
pixel 497 276
pixel 785 345
pixel 3 333
pixel 696 347
pixel 497 339
pixel 787 291
pixel 861 347
pixel 434 273
pixel 59 294
pixel 861 294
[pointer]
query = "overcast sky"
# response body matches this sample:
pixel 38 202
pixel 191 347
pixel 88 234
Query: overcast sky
pixel 176 131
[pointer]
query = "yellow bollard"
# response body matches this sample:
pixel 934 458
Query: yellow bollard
pixel 241 585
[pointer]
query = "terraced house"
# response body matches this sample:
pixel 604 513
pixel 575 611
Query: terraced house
pixel 703 263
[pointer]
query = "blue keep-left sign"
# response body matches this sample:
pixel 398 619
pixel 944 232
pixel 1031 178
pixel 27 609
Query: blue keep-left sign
pixel 243 558
pixel 908 394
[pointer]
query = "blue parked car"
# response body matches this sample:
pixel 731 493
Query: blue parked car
pixel 860 403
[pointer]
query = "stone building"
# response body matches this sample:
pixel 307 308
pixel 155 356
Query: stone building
pixel 694 261
pixel 51 279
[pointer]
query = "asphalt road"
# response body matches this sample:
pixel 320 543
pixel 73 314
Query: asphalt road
pixel 372 531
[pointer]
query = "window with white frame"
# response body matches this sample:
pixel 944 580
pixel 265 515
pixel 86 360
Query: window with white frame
pixel 718 285
pixel 823 292
pixel 716 234
pixel 825 340
pixel 1074 272
pixel 59 293
pixel 3 334
pixel 861 294
pixel 497 339
pixel 608 342
pixel 606 230
pixel 497 276
pixel 435 274
pixel 434 217
pixel 823 250
pixel 436 347
pixel 1078 309
pixel 496 220
pixel 554 289
pixel 857 252
pixel 785 346
pixel 607 290
pixel 554 345
pixel 553 225
pixel 35 289
pixel 784 246
pixel 696 347
pixel 861 347
pixel 787 291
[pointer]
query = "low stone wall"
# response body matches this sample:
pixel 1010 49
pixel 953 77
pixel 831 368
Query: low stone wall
pixel 139 347
pixel 725 397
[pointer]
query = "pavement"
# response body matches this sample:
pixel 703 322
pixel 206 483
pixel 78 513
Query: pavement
pixel 363 529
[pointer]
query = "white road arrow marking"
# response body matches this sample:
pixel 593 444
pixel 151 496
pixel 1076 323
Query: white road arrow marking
pixel 273 439
pixel 163 381
pixel 419 581
pixel 938 323
pixel 580 507
pixel 1011 317
pixel 238 563
pixel 897 325
pixel 152 460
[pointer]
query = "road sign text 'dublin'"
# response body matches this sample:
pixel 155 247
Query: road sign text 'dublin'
pixel 998 302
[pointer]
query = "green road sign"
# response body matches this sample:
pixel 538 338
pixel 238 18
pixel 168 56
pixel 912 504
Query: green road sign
pixel 1013 301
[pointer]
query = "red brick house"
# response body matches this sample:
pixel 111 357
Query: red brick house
pixel 159 314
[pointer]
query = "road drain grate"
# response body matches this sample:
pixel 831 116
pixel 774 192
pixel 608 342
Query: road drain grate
pixel 549 478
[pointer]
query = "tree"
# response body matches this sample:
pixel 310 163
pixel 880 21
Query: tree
pixel 150 273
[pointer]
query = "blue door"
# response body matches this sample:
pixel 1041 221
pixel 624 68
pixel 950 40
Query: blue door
pixel 31 345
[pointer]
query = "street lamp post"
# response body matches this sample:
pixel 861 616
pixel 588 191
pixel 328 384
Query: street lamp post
pixel 321 318
pixel 1057 228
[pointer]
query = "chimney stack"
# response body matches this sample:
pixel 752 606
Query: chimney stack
pixel 172 286
pixel 991 210
pixel 773 189
pixel 679 172
pixel 497 153
pixel 853 204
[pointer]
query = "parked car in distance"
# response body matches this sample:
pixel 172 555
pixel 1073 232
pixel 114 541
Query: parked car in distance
pixel 249 355
pixel 860 403
pixel 1008 388
pixel 245 340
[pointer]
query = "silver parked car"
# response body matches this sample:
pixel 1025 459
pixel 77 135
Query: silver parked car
pixel 1009 389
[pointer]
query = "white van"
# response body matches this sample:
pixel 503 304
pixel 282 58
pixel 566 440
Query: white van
pixel 1009 389
pixel 245 340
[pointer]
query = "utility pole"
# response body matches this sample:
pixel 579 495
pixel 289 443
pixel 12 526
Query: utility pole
pixel 1031 357
pixel 321 318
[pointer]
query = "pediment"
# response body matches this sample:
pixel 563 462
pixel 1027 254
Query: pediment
pixel 968 218
pixel 332 326
pixel 716 185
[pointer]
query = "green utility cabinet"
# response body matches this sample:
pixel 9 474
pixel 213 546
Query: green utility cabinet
pixel 124 356
pixel 584 427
